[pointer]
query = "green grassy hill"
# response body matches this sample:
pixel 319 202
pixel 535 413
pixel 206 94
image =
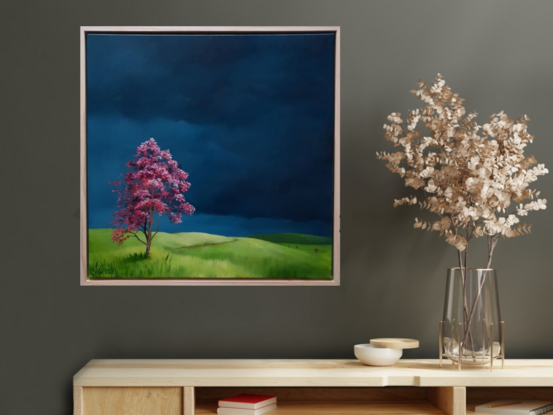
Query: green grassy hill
pixel 200 255
pixel 294 238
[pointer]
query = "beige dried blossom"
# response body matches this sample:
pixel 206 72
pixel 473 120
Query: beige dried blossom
pixel 475 178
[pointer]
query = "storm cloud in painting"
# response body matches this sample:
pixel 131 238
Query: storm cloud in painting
pixel 249 116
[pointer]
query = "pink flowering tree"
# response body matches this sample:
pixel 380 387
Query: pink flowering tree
pixel 152 187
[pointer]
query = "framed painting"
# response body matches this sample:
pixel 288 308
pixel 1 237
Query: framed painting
pixel 210 156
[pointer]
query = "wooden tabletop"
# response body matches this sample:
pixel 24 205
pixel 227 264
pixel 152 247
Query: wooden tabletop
pixel 305 373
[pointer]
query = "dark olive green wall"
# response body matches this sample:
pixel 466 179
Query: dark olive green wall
pixel 496 54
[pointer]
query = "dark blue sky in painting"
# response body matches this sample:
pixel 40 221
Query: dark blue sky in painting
pixel 249 116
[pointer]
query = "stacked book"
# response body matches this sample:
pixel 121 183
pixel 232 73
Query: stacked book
pixel 515 407
pixel 246 404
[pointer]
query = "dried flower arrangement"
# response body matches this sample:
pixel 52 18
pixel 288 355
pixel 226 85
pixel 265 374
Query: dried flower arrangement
pixel 475 178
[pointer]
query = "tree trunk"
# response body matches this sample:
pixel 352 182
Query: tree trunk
pixel 149 235
pixel 148 245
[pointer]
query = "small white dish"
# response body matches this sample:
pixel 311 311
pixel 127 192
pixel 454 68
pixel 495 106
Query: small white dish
pixel 376 356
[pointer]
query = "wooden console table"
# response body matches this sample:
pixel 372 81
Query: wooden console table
pixel 321 387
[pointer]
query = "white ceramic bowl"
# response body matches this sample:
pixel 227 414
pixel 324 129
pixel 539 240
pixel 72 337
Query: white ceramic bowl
pixel 376 356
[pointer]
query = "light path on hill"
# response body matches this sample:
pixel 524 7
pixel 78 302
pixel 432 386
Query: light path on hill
pixel 203 245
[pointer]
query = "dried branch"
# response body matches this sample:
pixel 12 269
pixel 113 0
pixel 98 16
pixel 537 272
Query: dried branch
pixel 469 175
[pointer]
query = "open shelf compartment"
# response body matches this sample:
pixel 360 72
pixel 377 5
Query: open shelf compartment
pixel 350 401
pixel 479 396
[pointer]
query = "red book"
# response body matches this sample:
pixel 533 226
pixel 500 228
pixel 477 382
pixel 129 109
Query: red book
pixel 247 401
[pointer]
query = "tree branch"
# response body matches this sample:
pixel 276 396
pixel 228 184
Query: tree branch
pixel 157 228
pixel 136 236
pixel 467 247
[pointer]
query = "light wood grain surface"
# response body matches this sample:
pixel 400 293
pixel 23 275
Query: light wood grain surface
pixel 395 343
pixel 482 395
pixel 450 400
pixel 305 373
pixel 189 400
pixel 132 401
pixel 77 400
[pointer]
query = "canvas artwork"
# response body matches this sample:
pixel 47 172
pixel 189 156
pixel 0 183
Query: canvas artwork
pixel 210 156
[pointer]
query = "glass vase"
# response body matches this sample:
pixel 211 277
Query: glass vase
pixel 471 332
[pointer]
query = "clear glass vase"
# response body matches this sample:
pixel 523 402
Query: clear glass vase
pixel 471 331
